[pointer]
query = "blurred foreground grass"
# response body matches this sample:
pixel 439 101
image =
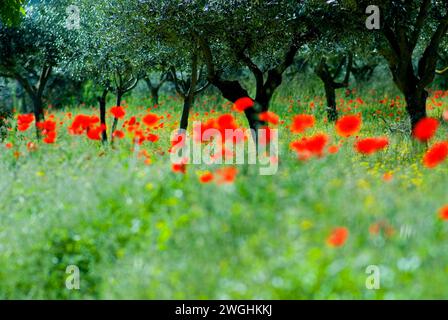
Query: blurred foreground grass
pixel 142 231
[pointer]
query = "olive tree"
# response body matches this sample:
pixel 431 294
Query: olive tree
pixel 165 33
pixel 31 51
pixel 262 36
pixel 101 54
pixel 329 70
pixel 408 37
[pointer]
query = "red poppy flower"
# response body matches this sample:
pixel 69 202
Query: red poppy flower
pixel 426 129
pixel 118 134
pixel 23 126
pixel 348 125
pixel 50 137
pixel 310 146
pixel 8 145
pixel 226 121
pixel 443 213
pixel 179 167
pixel 139 137
pixel 152 137
pixel 436 155
pixel 338 237
pixel 302 122
pixel 200 128
pixel 226 175
pixel 269 117
pixel 333 149
pixel 369 146
pixel 94 133
pixel 243 104
pixel 24 121
pixel 81 123
pixel 388 176
pixel 47 125
pixel 206 177
pixel 150 119
pixel 118 112
pixel 132 121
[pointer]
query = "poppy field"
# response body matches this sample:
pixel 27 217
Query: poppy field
pixel 346 196
pixel 223 150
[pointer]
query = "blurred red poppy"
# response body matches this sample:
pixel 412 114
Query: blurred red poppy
pixel 443 213
pixel 24 121
pixel 338 237
pixel 333 149
pixel 369 146
pixel 436 155
pixel 50 137
pixel 226 121
pixel 206 177
pixel 348 125
pixel 243 104
pixel 118 112
pixel 302 122
pixel 152 137
pixel 269 117
pixel 179 167
pixel 118 134
pixel 150 119
pixel 226 175
pixel 426 129
pixel 47 125
pixel 310 146
pixel 94 133
pixel 81 123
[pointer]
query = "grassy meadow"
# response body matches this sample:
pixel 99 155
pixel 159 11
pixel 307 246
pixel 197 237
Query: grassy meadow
pixel 138 230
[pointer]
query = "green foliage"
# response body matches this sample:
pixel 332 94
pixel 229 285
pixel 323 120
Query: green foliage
pixel 11 11
pixel 142 231
pixel 5 116
pixel 138 231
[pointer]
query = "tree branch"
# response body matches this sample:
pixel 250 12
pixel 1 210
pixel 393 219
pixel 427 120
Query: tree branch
pixel 25 84
pixel 258 74
pixel 390 37
pixel 423 13
pixel 44 76
pixel 348 69
pixel 428 62
pixel 176 82
pixel 205 86
pixel 194 75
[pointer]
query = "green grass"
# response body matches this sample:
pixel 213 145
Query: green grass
pixel 142 231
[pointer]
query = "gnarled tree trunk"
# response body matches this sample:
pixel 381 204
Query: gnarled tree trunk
pixel 330 94
pixel 330 85
pixel 185 113
pixel 102 101
pixel 416 105
pixel 187 89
